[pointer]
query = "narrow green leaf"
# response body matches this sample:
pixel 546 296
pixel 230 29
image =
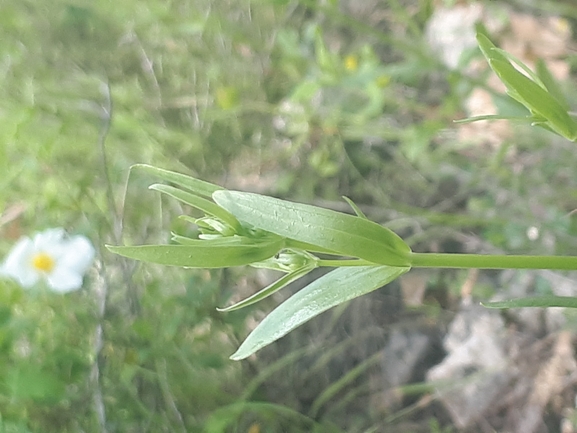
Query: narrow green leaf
pixel 284 281
pixel 203 204
pixel 539 301
pixel 344 234
pixel 195 185
pixel 491 117
pixel 534 97
pixel 356 209
pixel 551 84
pixel 215 253
pixel 489 49
pixel 334 288
pixel 526 91
pixel 510 58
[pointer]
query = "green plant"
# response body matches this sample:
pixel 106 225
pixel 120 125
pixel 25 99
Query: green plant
pixel 537 92
pixel 240 228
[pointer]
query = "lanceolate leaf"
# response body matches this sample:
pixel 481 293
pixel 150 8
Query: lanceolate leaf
pixel 334 288
pixel 551 84
pixel 283 281
pixel 511 59
pixel 527 91
pixel 344 234
pixel 217 253
pixel 534 97
pixel 540 301
pixel 197 186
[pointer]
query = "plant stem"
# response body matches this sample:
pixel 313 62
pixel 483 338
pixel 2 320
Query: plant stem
pixel 429 260
pixel 467 261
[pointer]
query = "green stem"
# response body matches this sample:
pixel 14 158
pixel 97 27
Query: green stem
pixel 467 261
pixel 428 260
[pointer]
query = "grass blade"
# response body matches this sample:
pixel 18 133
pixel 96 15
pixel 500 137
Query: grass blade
pixel 539 301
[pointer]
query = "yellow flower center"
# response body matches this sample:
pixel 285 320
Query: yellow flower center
pixel 351 63
pixel 43 262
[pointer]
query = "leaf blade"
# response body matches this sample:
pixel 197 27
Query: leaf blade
pixel 355 208
pixel 336 287
pixel 344 234
pixel 551 84
pixel 269 290
pixel 527 91
pixel 197 186
pixel 217 253
pixel 534 97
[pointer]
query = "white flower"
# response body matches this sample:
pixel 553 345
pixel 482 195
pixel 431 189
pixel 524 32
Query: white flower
pixel 62 261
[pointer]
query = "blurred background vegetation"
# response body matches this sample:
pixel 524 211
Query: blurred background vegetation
pixel 307 100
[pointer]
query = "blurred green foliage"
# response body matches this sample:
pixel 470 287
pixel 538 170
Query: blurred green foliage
pixel 313 102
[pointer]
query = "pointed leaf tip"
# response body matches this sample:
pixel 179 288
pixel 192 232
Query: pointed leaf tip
pixel 334 288
pixel 337 232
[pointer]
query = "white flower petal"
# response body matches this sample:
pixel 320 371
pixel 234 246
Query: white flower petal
pixel 27 279
pixel 78 254
pixel 19 252
pixel 72 257
pixel 48 237
pixel 50 242
pixel 63 280
pixel 17 264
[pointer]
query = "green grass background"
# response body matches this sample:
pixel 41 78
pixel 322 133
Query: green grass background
pixel 295 99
